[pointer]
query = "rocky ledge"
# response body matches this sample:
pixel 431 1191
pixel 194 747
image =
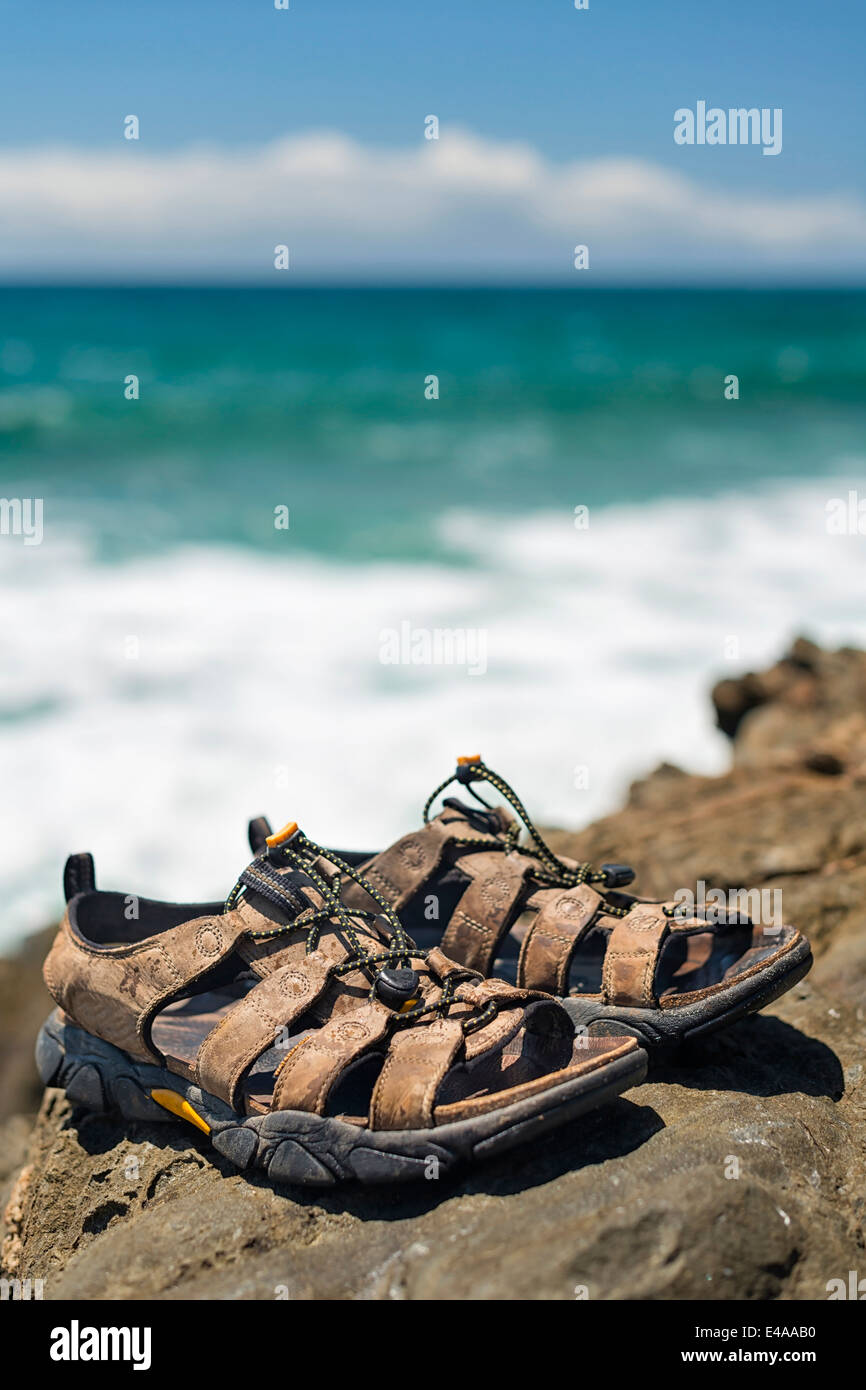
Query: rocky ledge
pixel 740 1172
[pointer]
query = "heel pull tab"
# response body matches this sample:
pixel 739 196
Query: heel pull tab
pixel 79 876
pixel 259 830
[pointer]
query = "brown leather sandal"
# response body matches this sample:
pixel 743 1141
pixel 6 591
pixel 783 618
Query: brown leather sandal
pixel 541 921
pixel 303 1037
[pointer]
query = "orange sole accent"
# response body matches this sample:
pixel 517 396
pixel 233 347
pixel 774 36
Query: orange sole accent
pixel 170 1100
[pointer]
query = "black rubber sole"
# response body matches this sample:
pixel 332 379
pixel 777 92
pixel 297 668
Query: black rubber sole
pixel 292 1146
pixel 662 1031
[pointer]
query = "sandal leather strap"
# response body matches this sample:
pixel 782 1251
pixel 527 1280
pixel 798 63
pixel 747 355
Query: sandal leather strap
pixel 487 908
pixel 251 1026
pixel 309 1073
pixel 418 1060
pixel 515 1006
pixel 562 920
pixel 633 948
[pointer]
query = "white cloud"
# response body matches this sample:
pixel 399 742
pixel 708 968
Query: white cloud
pixel 464 204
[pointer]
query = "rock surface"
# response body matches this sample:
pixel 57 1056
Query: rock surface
pixel 740 1172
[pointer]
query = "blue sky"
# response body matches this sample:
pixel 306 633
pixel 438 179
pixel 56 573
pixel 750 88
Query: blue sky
pixel 574 86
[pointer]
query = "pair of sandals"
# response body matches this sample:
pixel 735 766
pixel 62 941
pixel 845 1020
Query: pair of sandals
pixel 383 1017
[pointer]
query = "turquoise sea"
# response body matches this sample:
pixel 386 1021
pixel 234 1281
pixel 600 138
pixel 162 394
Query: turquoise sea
pixel 173 662
pixel 318 397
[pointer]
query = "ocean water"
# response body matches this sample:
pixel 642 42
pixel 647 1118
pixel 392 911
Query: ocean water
pixel 174 663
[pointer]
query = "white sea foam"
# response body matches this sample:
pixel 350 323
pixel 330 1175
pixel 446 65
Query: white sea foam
pixel 259 687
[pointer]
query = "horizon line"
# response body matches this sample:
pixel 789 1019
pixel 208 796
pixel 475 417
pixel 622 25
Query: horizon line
pixel 437 287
